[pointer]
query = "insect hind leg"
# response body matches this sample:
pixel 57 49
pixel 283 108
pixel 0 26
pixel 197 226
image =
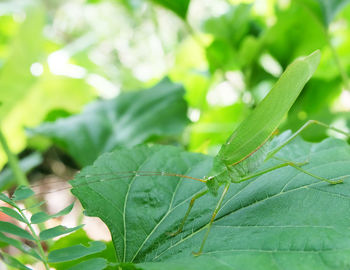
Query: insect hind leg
pixel 286 163
pixel 306 125
pixel 297 165
pixel 330 181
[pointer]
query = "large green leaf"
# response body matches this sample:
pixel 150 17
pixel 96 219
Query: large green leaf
pixel 154 196
pixel 281 220
pixel 129 119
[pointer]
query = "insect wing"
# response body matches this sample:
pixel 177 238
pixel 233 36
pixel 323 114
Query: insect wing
pixel 257 128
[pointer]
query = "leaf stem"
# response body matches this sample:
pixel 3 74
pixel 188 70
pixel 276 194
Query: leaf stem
pixel 20 177
pixel 36 240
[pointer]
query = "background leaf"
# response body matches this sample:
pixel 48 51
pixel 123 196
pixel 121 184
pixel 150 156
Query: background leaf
pixel 129 119
pixel 9 260
pixel 13 229
pixel 75 252
pixel 76 238
pixel 12 213
pixel 22 193
pixel 57 231
pixel 19 245
pixel 21 90
pixel 179 7
pixel 92 264
pixel 17 68
pixel 26 164
pixel 331 8
pixel 305 33
pixel 6 199
pixel 40 217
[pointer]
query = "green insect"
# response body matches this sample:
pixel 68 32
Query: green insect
pixel 247 148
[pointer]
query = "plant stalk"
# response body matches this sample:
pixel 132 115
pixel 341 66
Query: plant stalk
pixel 20 177
pixel 36 240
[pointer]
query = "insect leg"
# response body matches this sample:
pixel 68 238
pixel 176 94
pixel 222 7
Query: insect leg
pixel 333 182
pixel 250 176
pixel 216 210
pixel 194 198
pixel 296 165
pixel 307 124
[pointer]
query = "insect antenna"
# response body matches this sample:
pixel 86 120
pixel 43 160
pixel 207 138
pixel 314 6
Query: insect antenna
pixel 111 176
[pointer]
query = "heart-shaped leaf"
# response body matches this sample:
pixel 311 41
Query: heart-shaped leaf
pixel 284 219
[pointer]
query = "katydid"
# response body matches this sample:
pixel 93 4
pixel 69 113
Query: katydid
pixel 247 148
